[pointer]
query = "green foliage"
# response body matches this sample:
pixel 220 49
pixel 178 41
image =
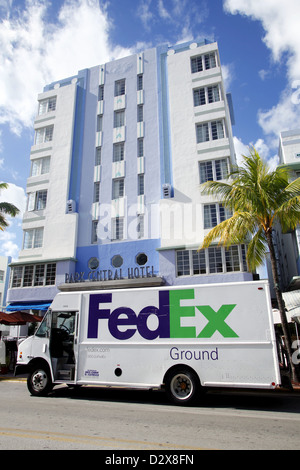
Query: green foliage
pixel 259 198
pixel 6 209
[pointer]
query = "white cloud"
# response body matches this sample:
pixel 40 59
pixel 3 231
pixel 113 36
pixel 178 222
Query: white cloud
pixel 14 195
pixel 280 21
pixel 262 148
pixel 11 237
pixel 180 18
pixel 228 74
pixel 163 12
pixel 145 14
pixel 7 246
pixel 35 52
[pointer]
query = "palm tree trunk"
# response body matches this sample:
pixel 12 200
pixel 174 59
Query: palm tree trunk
pixel 281 307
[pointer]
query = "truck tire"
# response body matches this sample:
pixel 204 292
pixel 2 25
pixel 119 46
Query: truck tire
pixel 182 386
pixel 39 382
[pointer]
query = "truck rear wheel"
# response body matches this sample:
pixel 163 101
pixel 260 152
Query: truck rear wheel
pixel 182 386
pixel 39 381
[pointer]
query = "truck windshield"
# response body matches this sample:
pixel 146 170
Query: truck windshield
pixel 64 320
pixel 45 326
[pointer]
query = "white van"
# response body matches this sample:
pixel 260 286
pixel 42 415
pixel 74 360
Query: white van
pixel 183 338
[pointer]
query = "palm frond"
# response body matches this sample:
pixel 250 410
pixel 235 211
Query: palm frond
pixel 9 209
pixel 232 231
pixel 256 251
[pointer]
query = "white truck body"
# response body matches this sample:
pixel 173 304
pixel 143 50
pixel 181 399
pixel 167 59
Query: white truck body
pixel 222 334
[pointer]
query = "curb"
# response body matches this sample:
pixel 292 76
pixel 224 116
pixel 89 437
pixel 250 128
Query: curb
pixel 12 378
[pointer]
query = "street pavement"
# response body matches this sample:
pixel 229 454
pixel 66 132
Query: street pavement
pixel 23 378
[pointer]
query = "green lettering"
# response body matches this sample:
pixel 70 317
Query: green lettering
pixel 176 312
pixel 216 321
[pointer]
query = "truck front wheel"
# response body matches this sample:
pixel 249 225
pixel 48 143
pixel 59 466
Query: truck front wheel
pixel 182 386
pixel 39 381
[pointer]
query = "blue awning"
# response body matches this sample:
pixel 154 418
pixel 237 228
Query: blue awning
pixel 15 307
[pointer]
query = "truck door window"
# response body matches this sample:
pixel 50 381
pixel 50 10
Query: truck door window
pixel 62 333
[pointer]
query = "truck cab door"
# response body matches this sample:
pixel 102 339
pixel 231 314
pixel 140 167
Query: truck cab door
pixel 40 340
pixel 62 345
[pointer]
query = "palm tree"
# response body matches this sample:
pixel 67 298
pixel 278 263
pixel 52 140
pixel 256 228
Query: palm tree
pixel 258 199
pixel 6 209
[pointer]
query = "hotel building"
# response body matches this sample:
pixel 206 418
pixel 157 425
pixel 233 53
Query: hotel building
pixel 114 194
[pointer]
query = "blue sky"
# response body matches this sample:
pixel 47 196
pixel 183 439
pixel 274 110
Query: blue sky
pixel 42 41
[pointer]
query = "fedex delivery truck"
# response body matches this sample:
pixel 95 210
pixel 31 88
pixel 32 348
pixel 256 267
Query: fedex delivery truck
pixel 183 339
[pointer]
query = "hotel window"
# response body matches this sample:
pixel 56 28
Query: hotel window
pixel 118 188
pixel 140 113
pixel 215 214
pixel 206 95
pixel 1 276
pixel 196 64
pixel 210 61
pixel 119 118
pixel 33 275
pixel 117 261
pixel 213 170
pixel 206 171
pixel 140 147
pixel 120 87
pixel 140 226
pixel 48 105
pixel 206 131
pixel 183 262
pixel 217 130
pixel 28 276
pixel 100 92
pixel 118 152
pixel 50 274
pixel 202 133
pixel 98 156
pixel 210 216
pixel 43 135
pixel 40 166
pixel 33 238
pixel 94 231
pixel 203 62
pixel 221 167
pixel 39 275
pixel 199 262
pixel 141 259
pixel 96 192
pixel 37 201
pixel 141 185
pixel 232 259
pixel 99 123
pixel 139 82
pixel 117 228
pixel 199 97
pixel 214 259
pixel 16 276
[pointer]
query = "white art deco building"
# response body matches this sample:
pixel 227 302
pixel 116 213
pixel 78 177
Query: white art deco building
pixel 114 193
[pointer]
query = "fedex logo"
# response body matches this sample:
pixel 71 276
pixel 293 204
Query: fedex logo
pixel 171 316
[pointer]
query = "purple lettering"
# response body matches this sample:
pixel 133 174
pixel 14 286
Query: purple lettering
pixel 125 317
pixel 96 314
pixel 115 321
pixel 163 329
